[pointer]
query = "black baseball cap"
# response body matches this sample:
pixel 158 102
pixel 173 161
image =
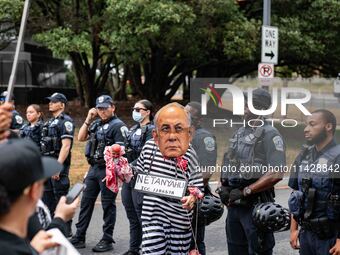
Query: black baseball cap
pixel 21 164
pixel 104 101
pixel 58 97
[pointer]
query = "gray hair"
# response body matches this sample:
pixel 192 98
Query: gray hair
pixel 173 105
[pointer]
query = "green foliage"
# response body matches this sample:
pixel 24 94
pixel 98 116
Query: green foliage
pixel 164 40
pixel 134 25
pixel 10 15
pixel 11 10
pixel 63 40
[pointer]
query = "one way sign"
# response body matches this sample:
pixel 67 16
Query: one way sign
pixel 270 44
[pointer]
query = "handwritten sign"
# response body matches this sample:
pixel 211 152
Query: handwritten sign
pixel 160 186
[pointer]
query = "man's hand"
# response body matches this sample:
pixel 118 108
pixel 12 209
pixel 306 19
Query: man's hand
pixel 336 248
pixel 42 241
pixel 66 211
pixel 56 177
pixel 294 239
pixel 224 194
pixel 188 202
pixel 91 114
pixel 5 119
pixel 235 194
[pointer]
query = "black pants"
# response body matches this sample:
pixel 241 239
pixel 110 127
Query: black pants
pixel 242 235
pixel 94 185
pixel 55 189
pixel 199 233
pixel 310 244
pixel 133 202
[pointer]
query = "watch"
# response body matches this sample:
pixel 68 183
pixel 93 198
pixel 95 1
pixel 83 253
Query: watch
pixel 247 191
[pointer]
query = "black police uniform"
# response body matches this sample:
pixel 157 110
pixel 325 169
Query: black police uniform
pixel 53 132
pixel 17 120
pixel 250 147
pixel 132 200
pixel 204 143
pixel 32 132
pixel 101 134
pixel 315 203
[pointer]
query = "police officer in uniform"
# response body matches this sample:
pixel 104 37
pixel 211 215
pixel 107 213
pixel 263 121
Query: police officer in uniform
pixel 135 140
pixel 255 144
pixel 315 201
pixel 98 133
pixel 204 144
pixel 33 129
pixel 56 141
pixel 17 120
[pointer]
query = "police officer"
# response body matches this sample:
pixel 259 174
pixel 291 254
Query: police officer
pixel 204 144
pixel 315 201
pixel 56 141
pixel 99 133
pixel 33 129
pixel 17 120
pixel 255 144
pixel 132 200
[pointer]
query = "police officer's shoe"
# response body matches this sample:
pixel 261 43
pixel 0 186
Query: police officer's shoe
pixel 129 252
pixel 102 246
pixel 77 243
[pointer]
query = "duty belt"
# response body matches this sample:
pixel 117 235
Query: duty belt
pixel 93 161
pixel 322 227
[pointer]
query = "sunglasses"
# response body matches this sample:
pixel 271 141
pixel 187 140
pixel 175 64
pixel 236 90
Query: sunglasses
pixel 138 109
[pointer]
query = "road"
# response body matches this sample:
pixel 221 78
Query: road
pixel 215 233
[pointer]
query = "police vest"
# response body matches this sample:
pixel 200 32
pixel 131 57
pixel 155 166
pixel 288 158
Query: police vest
pixel 99 139
pixel 51 135
pixel 32 132
pixel 242 154
pixel 321 191
pixel 136 140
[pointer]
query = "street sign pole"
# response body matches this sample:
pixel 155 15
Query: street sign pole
pixel 266 22
pixel 17 51
pixel 266 12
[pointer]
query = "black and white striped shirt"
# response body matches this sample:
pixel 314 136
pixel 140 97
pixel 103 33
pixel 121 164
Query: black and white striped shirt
pixel 161 209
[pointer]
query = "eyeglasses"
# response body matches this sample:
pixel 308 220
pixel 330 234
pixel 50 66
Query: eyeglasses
pixel 177 130
pixel 138 109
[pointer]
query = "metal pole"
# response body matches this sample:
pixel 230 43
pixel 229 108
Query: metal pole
pixel 266 12
pixel 17 51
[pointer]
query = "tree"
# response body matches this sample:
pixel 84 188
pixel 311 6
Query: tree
pixel 10 14
pixel 73 29
pixel 158 43
pixel 165 41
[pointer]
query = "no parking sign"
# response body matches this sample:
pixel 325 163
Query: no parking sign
pixel 265 71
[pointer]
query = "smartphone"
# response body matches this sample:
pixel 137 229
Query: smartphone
pixel 74 192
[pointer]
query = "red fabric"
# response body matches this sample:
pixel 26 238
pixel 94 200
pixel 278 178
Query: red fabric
pixel 193 190
pixel 182 163
pixel 118 169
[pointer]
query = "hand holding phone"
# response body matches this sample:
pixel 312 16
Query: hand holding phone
pixel 74 192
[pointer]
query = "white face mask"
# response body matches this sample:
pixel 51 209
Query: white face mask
pixel 137 116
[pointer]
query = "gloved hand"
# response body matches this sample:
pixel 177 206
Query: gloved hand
pixel 223 192
pixel 235 194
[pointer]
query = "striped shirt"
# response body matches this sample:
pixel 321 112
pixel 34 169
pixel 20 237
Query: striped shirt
pixel 163 218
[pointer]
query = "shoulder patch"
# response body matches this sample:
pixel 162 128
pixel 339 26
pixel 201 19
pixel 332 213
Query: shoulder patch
pixel 209 143
pixel 277 140
pixel 68 126
pixel 19 119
